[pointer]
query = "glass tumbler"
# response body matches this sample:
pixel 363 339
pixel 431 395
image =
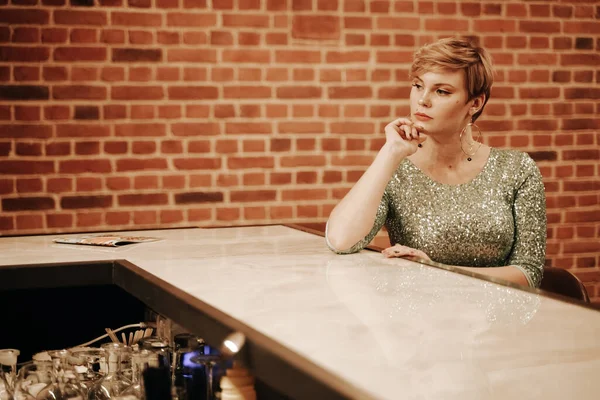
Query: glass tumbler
pixel 8 372
pixel 64 384
pixel 86 362
pixel 32 379
pixel 115 381
pixel 139 362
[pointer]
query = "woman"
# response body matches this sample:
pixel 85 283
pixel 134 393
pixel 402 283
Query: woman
pixel 442 195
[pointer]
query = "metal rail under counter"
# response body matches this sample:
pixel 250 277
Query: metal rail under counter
pixel 321 325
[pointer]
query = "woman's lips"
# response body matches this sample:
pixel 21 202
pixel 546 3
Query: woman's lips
pixel 422 117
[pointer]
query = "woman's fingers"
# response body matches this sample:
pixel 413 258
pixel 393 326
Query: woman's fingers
pixel 407 131
pixel 402 251
pixel 415 132
pixel 402 132
pixel 402 121
pixel 397 251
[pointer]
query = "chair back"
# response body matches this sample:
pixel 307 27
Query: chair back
pixel 563 282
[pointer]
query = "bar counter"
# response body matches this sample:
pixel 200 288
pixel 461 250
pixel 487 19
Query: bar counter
pixel 321 325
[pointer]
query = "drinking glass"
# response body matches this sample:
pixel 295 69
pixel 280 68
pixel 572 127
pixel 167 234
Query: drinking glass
pixel 206 367
pixel 33 377
pixel 161 349
pixel 8 369
pixel 139 362
pixel 115 381
pixel 64 384
pixel 86 362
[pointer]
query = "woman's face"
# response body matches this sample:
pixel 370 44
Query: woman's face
pixel 438 102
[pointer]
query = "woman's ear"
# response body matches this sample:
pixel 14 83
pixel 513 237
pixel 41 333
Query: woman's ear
pixel 478 103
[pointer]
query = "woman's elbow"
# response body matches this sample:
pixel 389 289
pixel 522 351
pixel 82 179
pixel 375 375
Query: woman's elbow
pixel 338 243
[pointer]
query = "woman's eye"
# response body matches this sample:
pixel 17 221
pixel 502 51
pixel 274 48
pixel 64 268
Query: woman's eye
pixel 417 85
pixel 442 92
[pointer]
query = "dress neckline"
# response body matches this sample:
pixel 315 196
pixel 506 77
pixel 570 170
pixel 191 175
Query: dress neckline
pixel 475 178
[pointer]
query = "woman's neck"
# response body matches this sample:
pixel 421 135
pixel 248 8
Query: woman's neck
pixel 446 153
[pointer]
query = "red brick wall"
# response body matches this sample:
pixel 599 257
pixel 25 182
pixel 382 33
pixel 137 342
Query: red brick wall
pixel 144 113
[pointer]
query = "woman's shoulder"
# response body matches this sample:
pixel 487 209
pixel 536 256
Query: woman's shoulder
pixel 518 161
pixel 514 156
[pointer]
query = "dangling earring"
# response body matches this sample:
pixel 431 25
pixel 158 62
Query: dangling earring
pixel 470 152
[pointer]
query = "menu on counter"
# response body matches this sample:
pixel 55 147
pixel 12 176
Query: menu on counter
pixel 105 240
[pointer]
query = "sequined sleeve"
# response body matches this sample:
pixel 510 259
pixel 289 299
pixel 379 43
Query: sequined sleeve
pixel 380 218
pixel 529 249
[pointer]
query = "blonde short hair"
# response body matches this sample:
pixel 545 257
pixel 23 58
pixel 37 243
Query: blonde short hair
pixel 453 54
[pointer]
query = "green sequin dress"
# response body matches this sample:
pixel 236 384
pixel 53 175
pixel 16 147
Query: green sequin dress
pixel 496 219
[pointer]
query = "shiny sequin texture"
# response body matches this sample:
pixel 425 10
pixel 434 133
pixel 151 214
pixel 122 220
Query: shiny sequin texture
pixel 496 219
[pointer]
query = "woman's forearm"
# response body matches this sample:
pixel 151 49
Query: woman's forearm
pixel 352 219
pixel 509 273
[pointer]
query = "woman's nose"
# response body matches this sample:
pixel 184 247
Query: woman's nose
pixel 424 101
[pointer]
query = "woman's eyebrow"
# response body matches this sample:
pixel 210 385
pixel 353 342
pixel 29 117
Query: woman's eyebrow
pixel 435 84
pixel 444 84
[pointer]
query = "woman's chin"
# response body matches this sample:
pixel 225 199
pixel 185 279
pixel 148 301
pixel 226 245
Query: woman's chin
pixel 420 127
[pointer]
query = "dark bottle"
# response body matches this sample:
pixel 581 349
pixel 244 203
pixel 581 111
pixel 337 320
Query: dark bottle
pixel 184 375
pixel 157 383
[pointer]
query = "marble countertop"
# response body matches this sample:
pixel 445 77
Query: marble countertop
pixel 389 328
